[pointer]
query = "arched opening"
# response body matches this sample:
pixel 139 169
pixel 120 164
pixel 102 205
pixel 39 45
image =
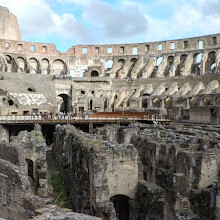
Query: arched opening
pixel 120 65
pixel 156 103
pixel 183 58
pixel 8 59
pixel 193 101
pixel 132 63
pixel 45 66
pixel 144 103
pixel 170 61
pixel 121 204
pixel 94 73
pixel 90 104
pixel 63 106
pixel 217 101
pixel 206 101
pixel 58 67
pixel 196 66
pixel 210 61
pixel 168 103
pixel 158 61
pixel 10 102
pixel 33 63
pixel 30 165
pixel 105 104
pixel 21 64
pixel 108 64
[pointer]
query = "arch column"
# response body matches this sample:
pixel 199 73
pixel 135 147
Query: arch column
pixel 149 102
pixel 203 63
pixel 218 60
pixel 162 103
pixel 187 103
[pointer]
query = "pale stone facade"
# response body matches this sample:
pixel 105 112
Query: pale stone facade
pixel 90 78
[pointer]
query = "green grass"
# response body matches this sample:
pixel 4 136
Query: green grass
pixel 60 193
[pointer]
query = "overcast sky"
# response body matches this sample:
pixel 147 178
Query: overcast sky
pixel 71 22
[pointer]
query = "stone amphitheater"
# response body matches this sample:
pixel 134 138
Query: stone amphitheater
pixel 134 172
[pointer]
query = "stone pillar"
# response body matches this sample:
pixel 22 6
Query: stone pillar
pixel 140 102
pixel 187 103
pixel 203 62
pixel 149 102
pixel 162 103
pixel 218 60
pixel 91 127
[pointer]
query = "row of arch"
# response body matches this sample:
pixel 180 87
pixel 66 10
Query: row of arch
pixel 167 103
pixel 170 68
pixel 119 68
pixel 34 66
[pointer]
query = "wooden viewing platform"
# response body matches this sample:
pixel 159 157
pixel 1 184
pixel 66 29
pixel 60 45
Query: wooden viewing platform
pixel 94 118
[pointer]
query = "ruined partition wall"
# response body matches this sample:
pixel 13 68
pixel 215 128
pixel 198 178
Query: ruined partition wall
pixel 178 169
pixel 98 175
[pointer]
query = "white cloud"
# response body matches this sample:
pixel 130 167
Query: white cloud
pixel 36 18
pixel 189 18
pixel 98 21
pixel 116 23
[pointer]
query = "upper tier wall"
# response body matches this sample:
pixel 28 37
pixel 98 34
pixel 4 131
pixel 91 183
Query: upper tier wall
pixel 9 28
pixel 171 46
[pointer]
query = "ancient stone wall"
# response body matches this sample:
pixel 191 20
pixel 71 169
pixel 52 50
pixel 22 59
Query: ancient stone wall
pixel 16 198
pixel 179 167
pixel 106 170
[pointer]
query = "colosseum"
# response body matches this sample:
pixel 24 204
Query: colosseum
pixel 124 168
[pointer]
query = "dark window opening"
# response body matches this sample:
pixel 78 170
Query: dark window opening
pixel 121 50
pixel 20 46
pixel 83 92
pixel 35 110
pixel 97 50
pixel 44 49
pixel 81 109
pixel 26 113
pixel 31 90
pixel 10 102
pixel 94 73
pixel 65 104
pixel 186 45
pixel 145 175
pixel 147 48
pixel 90 104
pixel 121 204
pixel 214 40
pixel 30 165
